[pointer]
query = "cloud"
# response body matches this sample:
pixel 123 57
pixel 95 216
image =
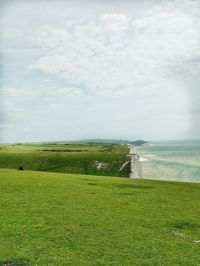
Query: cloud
pixel 146 59
pixel 119 53
pixel 114 23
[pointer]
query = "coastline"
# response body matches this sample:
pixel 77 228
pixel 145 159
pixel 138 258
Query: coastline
pixel 171 161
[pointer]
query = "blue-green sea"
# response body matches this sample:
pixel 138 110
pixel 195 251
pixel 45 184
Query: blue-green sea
pixel 172 160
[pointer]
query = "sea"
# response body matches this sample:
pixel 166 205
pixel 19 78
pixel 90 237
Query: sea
pixel 171 160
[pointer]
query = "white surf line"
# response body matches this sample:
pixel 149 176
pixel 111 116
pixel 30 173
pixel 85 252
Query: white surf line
pixel 136 165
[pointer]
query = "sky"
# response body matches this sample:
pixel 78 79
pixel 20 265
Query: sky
pixel 87 69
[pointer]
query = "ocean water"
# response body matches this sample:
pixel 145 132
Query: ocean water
pixel 174 160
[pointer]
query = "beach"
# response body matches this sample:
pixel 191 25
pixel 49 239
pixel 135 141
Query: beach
pixel 174 161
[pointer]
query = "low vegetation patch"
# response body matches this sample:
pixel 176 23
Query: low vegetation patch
pixel 14 262
pixel 64 150
pixel 186 225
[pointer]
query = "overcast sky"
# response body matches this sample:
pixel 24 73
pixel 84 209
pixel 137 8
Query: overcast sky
pixel 99 69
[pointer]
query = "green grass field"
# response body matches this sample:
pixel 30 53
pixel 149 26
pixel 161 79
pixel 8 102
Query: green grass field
pixel 64 219
pixel 67 158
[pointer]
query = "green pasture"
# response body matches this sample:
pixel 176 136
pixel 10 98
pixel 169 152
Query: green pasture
pixel 59 219
pixel 67 158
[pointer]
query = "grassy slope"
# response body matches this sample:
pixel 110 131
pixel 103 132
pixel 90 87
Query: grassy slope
pixel 59 219
pixel 32 157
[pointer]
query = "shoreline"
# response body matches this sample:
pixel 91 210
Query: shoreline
pixel 136 165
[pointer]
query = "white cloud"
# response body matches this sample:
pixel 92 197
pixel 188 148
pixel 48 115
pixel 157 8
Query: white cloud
pixel 146 59
pixel 116 53
pixel 114 24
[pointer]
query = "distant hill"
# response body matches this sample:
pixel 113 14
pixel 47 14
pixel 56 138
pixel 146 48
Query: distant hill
pixel 114 141
pixel 139 142
pixel 100 141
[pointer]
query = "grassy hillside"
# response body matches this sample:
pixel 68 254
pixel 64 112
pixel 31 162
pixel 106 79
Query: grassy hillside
pixel 94 159
pixel 64 219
